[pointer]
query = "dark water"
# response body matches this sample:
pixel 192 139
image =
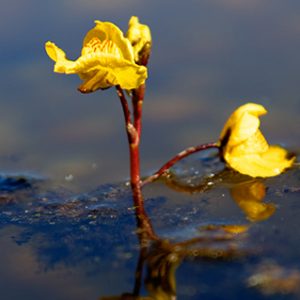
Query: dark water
pixel 61 245
pixel 68 229
pixel 208 58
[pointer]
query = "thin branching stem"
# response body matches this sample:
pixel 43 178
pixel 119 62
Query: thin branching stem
pixel 177 158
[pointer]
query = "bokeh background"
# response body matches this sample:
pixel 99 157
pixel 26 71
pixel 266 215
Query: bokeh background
pixel 208 57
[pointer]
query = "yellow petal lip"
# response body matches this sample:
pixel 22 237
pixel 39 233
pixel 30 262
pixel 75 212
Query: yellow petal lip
pixel 107 59
pixel 245 149
pixel 51 50
pixel 62 64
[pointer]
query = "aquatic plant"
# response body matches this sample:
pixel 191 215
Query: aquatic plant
pixel 110 58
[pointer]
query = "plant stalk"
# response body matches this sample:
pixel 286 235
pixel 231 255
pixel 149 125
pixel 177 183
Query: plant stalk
pixel 133 133
pixel 176 159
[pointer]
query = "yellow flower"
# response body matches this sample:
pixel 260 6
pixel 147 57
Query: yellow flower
pixel 140 37
pixel 244 148
pixel 107 59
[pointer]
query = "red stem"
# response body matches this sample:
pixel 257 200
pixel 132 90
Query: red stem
pixel 133 134
pixel 137 103
pixel 126 112
pixel 133 140
pixel 177 158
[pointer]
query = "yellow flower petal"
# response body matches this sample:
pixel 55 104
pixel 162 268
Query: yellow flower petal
pixel 123 73
pixel 63 65
pixel 106 31
pixel 243 123
pixel 139 35
pixel 107 59
pixel 245 149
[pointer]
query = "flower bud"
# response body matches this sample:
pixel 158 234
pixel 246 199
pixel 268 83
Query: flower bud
pixel 139 36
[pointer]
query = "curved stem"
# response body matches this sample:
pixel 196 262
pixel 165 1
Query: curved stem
pixel 177 158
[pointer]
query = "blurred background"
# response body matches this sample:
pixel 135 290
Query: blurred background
pixel 208 57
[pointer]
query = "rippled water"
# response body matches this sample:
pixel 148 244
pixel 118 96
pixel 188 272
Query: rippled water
pixel 68 229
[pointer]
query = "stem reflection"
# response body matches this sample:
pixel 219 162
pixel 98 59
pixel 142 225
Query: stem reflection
pixel 160 257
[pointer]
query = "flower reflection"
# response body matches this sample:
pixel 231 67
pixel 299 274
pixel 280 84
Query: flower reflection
pixel 249 196
pixel 162 263
pixel 231 229
pixel 161 257
pixel 161 260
